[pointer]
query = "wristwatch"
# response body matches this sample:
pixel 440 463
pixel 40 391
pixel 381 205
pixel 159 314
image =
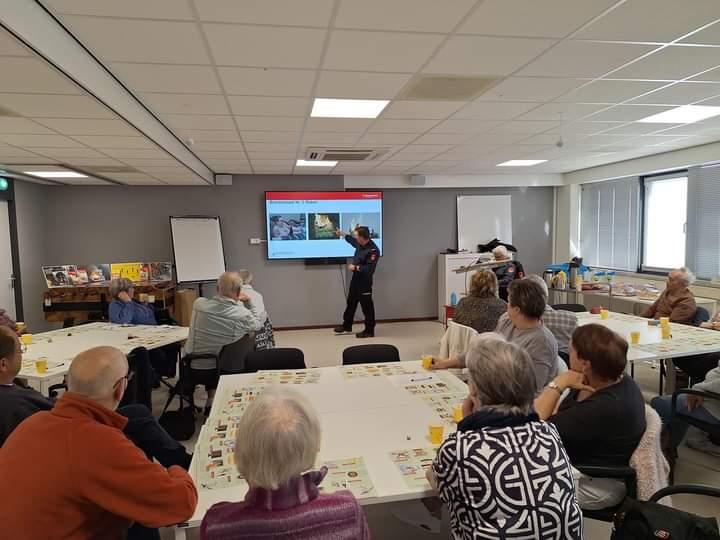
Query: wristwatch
pixel 555 386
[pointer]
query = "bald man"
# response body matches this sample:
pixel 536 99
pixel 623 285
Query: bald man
pixel 71 472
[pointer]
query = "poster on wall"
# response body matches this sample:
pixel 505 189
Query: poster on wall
pixel 70 275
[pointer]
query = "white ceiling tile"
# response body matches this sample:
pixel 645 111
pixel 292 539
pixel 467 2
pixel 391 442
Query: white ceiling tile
pixel 271 136
pixel 421 109
pixel 583 59
pixel 628 113
pixel 186 103
pixel 209 135
pixel 54 106
pixel 709 36
pixel 134 179
pixel 486 56
pixel 33 75
pixel 549 18
pixel 90 181
pixel 535 89
pixel 562 112
pixel 10 46
pixel 98 160
pixel 681 94
pixel 402 126
pixel 12 151
pixel 486 110
pixel 605 138
pixel 671 63
pixel 114 141
pixel 399 15
pixel 586 128
pixel 465 126
pixel 670 20
pixel 276 12
pixel 269 106
pixel 353 125
pixel 198 121
pixel 268 123
pixel 218 146
pixel 517 126
pixel 265 46
pixel 142 9
pixel 444 138
pixel 272 156
pixel 387 138
pixel 125 154
pixel 148 161
pixel 209 154
pixel 379 51
pixel 267 82
pixel 361 85
pixel 638 128
pixel 331 138
pixel 495 138
pixel 548 139
pixel 67 154
pixel 86 126
pixel 190 181
pixel 713 76
pixel 21 125
pixel 163 170
pixel 136 40
pixel 420 151
pixel 32 140
pixel 610 91
pixel 168 78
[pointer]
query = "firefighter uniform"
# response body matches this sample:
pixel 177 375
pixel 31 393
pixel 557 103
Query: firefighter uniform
pixel 365 259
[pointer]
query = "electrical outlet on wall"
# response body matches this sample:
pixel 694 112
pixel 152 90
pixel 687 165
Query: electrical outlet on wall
pixel 255 241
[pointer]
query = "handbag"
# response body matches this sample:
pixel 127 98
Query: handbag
pixel 643 520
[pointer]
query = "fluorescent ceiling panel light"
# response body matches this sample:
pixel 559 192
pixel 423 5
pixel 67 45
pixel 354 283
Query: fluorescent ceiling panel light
pixel 521 162
pixel 56 174
pixel 306 163
pixel 348 108
pixel 687 114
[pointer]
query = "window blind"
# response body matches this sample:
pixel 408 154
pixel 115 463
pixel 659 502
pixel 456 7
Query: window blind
pixel 610 224
pixel 703 224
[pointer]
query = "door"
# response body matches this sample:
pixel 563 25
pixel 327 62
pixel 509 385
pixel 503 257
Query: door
pixel 7 290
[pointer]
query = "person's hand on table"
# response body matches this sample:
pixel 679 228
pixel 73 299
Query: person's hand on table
pixel 693 402
pixel 445 363
pixel 573 380
pixel 124 297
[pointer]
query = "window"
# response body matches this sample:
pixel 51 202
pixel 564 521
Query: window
pixel 665 222
pixel 703 230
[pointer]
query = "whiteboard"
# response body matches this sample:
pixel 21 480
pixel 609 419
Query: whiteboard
pixel 480 218
pixel 197 248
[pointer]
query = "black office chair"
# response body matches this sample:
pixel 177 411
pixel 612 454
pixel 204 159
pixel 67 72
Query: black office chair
pixel 701 315
pixel 280 358
pixel 370 354
pixel 565 356
pixel 233 357
pixel 626 474
pixel 575 308
pixel 140 378
pixel 713 430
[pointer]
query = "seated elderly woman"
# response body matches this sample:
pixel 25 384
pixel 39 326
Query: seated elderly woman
pixel 277 444
pixel 124 309
pixel 481 309
pixel 504 470
pixel 602 419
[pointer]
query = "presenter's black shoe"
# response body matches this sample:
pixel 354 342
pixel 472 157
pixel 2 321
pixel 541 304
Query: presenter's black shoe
pixel 365 334
pixel 339 330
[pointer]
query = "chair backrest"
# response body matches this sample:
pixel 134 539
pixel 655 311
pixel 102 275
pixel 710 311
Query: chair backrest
pixel 648 459
pixel 575 308
pixel 456 339
pixel 701 315
pixel 233 357
pixel 370 354
pixel 140 378
pixel 280 358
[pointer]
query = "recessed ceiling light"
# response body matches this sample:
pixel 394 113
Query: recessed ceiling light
pixel 348 108
pixel 56 174
pixel 306 163
pixel 687 114
pixel 521 162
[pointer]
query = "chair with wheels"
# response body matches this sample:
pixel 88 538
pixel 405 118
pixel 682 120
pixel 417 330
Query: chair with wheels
pixel 701 315
pixel 370 354
pixel 280 358
pixel 575 308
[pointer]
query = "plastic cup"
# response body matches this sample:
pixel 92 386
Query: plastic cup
pixel 635 337
pixel 41 365
pixel 143 297
pixel 457 413
pixel 427 361
pixel 20 327
pixel 151 299
pixel 665 332
pixel 604 314
pixel 436 433
pixel 664 321
pixel 26 339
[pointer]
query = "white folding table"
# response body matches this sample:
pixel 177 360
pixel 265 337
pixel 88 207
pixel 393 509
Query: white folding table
pixel 366 417
pixel 61 346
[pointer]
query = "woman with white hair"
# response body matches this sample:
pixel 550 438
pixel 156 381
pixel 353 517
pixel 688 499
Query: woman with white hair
pixel 124 309
pixel 504 470
pixel 277 444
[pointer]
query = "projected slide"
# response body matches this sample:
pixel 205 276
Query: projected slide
pixel 303 224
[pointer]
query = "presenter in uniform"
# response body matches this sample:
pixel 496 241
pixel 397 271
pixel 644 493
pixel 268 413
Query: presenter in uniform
pixel 362 268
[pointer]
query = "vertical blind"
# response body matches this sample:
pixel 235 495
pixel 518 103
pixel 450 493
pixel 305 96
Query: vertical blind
pixel 610 223
pixel 703 224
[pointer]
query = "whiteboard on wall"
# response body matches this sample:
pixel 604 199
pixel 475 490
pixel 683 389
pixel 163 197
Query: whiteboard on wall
pixel 480 218
pixel 197 248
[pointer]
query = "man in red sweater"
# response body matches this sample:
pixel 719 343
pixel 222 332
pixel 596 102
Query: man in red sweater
pixel 71 473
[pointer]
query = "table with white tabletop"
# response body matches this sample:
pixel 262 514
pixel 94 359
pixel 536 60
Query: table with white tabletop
pixel 685 341
pixel 367 417
pixel 61 346
pixel 633 305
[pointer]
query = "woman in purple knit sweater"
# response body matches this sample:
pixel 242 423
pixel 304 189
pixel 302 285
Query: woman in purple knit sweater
pixel 278 441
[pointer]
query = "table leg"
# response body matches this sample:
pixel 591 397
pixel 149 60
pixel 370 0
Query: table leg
pixel 180 533
pixel 661 369
pixel 670 378
pixel 445 532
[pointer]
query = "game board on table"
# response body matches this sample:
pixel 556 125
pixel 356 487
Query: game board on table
pixel 413 464
pixel 376 370
pixel 429 387
pixel 350 474
pixel 683 345
pixel 217 468
pixel 443 404
pixel 288 376
pixel 234 401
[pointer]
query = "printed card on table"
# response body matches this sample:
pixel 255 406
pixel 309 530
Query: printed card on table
pixel 413 464
pixel 348 474
pixel 297 376
pixel 376 370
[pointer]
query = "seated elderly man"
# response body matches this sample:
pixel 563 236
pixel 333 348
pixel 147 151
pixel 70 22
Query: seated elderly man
pixel 124 309
pixel 522 325
pixel 561 323
pixel 676 301
pixel 220 321
pixel 506 273
pixel 278 440
pixel 264 338
pixel 71 472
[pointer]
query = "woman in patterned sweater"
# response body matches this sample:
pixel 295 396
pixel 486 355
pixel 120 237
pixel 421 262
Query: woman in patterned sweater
pixel 504 473
pixel 482 308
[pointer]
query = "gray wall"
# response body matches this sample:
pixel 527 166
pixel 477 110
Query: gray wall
pixel 105 224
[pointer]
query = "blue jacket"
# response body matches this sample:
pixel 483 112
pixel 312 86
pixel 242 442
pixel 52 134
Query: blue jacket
pixel 131 313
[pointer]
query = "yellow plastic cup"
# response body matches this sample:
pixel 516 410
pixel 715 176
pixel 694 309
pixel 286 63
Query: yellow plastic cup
pixel 666 332
pixel 41 365
pixel 26 339
pixel 427 361
pixel 20 327
pixel 604 314
pixel 635 337
pixel 457 413
pixel 664 321
pixel 436 433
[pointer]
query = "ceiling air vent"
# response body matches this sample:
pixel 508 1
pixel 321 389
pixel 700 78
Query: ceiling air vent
pixel 344 154
pixel 445 88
